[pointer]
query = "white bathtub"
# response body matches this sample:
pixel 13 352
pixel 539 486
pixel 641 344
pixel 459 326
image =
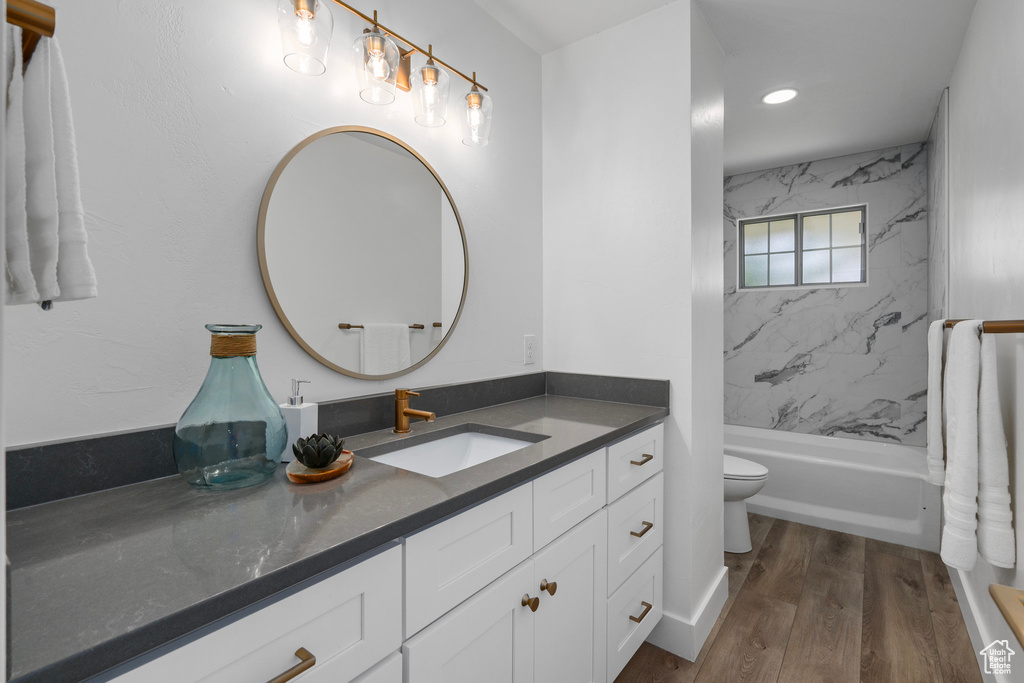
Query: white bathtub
pixel 871 489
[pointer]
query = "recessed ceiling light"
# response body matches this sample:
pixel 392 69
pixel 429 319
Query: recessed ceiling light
pixel 779 96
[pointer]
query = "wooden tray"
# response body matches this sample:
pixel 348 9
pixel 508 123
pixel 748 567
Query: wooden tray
pixel 300 474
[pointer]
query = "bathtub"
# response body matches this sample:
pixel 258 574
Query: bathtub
pixel 868 488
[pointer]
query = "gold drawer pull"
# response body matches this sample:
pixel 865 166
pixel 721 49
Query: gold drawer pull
pixel 647 527
pixel 642 461
pixel 307 660
pixel 647 608
pixel 549 587
pixel 532 603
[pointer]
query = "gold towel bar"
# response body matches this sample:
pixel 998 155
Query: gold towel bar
pixel 995 326
pixel 414 326
pixel 35 19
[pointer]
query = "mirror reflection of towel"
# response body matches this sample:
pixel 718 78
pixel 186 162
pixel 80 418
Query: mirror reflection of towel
pixel 384 348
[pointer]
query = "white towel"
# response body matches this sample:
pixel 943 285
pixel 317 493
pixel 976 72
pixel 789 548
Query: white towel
pixel 995 521
pixel 936 445
pixel 75 275
pixel 21 284
pixel 384 348
pixel 40 173
pixel 959 547
pixel 46 254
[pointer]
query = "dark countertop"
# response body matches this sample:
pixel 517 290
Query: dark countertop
pixel 104 577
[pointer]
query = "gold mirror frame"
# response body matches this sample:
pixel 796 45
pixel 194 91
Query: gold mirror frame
pixel 265 274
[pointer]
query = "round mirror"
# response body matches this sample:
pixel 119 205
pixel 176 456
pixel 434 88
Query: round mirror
pixel 362 252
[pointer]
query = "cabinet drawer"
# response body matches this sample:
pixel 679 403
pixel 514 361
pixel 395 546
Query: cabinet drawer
pixel 564 498
pixel 633 460
pixel 388 671
pixel 450 561
pixel 351 620
pixel 641 511
pixel 629 603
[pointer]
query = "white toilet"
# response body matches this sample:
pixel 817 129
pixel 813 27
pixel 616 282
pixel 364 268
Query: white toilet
pixel 743 479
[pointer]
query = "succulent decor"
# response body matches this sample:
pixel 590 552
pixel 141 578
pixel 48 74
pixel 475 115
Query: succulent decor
pixel 318 450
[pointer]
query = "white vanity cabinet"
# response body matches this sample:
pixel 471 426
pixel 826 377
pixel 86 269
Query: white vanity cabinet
pixel 569 631
pixel 636 490
pixel 348 621
pixel 597 529
pixel 488 637
pixel 567 496
pixel 452 560
pixel 494 636
pixel 558 580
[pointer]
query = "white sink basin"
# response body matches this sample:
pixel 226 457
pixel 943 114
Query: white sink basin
pixel 451 454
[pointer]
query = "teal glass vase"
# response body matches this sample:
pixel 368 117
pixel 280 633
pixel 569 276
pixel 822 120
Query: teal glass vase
pixel 232 435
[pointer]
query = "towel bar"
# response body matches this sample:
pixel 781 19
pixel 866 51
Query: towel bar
pixel 35 19
pixel 414 326
pixel 995 326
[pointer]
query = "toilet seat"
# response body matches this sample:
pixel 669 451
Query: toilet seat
pixel 744 470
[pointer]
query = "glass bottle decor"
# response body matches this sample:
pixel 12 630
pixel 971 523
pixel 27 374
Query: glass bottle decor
pixel 232 435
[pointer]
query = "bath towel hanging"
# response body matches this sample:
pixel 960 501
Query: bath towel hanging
pixel 21 285
pixel 76 278
pixel 959 545
pixel 46 258
pixel 936 425
pixel 996 542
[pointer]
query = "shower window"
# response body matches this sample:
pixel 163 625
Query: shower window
pixel 812 249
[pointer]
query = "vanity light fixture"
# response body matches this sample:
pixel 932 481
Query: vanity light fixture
pixel 779 96
pixel 377 59
pixel 430 92
pixel 306 27
pixel 476 117
pixel 384 65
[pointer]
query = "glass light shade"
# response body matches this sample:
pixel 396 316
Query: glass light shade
pixel 306 28
pixel 377 59
pixel 430 94
pixel 476 118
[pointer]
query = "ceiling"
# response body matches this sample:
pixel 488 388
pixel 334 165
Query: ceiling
pixel 869 72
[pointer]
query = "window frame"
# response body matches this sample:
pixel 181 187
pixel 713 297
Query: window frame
pixel 798 218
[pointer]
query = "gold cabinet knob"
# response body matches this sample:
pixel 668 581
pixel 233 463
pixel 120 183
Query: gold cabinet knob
pixel 306 661
pixel 642 461
pixel 532 603
pixel 549 587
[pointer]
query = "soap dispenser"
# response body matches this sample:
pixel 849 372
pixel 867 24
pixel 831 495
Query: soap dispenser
pixel 300 417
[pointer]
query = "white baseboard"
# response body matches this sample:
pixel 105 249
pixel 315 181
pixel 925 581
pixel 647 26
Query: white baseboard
pixel 684 638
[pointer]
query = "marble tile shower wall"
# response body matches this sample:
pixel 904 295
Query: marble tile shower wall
pixel 850 361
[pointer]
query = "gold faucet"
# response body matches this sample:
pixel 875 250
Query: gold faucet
pixel 403 412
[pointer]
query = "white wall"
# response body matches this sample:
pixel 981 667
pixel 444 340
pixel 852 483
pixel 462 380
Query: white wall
pixel 986 277
pixel 182 111
pixel 628 271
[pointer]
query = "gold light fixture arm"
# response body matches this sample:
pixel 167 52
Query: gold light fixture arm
pixel 415 48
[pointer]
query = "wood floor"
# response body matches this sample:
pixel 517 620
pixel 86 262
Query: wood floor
pixel 808 605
